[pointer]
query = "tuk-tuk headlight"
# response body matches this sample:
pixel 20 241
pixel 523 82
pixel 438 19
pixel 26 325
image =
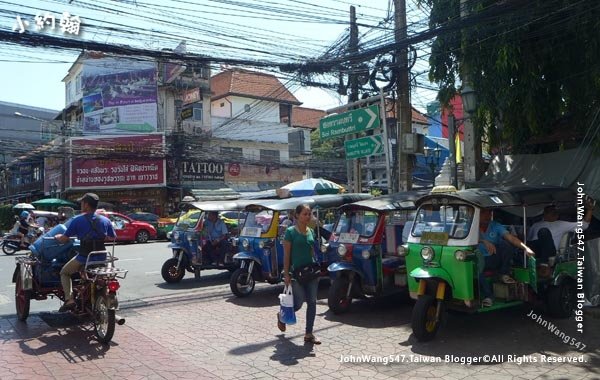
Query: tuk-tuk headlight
pixel 190 237
pixel 245 243
pixel 342 250
pixel 402 251
pixel 176 235
pixel 365 254
pixel 460 255
pixel 427 253
pixel 324 248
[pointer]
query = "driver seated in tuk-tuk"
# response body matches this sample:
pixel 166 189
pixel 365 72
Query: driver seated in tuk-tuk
pixel 494 254
pixel 216 233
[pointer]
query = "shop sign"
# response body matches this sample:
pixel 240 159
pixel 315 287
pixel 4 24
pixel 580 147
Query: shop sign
pixel 191 96
pixel 202 171
pixel 187 113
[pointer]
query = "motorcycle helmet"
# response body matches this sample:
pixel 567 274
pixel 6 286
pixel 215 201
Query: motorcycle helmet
pixel 24 215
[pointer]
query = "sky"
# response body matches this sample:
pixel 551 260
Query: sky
pixel 281 31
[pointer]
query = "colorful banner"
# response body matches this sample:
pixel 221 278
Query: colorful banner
pixel 119 96
pixel 137 168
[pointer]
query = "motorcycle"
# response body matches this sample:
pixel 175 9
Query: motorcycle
pixel 12 243
pixel 37 276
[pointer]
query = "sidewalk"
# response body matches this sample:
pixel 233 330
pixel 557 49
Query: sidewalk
pixel 217 336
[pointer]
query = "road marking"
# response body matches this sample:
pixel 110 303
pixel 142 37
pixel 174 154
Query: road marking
pixel 151 273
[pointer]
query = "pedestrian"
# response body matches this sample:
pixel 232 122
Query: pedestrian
pixel 298 251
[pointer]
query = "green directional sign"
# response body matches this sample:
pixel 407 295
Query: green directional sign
pixel 364 147
pixel 354 121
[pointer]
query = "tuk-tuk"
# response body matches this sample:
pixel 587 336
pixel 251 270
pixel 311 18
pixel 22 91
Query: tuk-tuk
pixel 188 238
pixel 443 260
pixel 261 249
pixel 366 237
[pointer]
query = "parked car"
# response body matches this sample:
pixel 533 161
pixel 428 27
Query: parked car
pixel 128 229
pixel 379 184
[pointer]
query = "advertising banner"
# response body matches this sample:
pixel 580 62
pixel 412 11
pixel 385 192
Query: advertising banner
pixel 136 168
pixel 202 170
pixel 119 96
pixel 236 172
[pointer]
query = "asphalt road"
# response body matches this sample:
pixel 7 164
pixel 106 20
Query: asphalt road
pixel 143 281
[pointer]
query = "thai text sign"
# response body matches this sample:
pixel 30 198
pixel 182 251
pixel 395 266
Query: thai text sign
pixel 137 168
pixel 349 122
pixel 364 147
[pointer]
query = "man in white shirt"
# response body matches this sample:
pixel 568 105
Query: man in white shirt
pixel 544 236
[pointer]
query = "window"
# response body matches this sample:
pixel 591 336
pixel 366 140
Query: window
pixel 68 92
pixel 197 113
pixel 454 220
pixel 37 174
pixel 232 154
pixel 78 84
pixel 269 156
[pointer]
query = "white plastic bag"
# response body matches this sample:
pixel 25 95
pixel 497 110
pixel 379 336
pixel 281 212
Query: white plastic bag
pixel 287 298
pixel 287 314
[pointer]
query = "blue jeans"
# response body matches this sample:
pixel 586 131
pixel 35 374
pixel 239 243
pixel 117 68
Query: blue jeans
pixel 308 293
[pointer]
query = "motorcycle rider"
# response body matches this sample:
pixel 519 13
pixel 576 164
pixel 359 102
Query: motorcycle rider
pixel 24 225
pixel 91 230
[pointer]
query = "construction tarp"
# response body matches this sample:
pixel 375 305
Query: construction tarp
pixel 577 169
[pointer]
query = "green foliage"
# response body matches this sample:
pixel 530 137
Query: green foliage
pixel 7 217
pixel 326 149
pixel 532 63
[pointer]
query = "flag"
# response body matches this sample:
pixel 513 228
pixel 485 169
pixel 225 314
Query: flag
pixel 458 149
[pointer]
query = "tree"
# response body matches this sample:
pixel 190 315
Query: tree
pixel 533 63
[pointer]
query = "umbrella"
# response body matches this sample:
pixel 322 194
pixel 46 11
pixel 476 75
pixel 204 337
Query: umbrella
pixel 24 206
pixel 310 186
pixel 55 202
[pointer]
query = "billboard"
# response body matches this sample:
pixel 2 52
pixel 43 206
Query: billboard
pixel 117 162
pixel 119 96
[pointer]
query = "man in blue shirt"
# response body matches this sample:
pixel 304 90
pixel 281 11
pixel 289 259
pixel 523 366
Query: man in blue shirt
pixel 91 230
pixel 496 256
pixel 216 233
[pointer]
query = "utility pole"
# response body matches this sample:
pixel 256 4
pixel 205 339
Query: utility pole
pixel 353 96
pixel 403 109
pixel 472 163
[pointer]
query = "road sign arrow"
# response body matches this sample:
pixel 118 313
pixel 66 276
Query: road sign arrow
pixel 364 147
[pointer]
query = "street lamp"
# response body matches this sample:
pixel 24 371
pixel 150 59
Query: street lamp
pixel 469 103
pixel 469 98
pixel 432 159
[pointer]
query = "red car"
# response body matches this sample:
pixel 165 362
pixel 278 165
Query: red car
pixel 128 229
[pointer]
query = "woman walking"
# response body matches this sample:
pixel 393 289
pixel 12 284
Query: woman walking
pixel 298 251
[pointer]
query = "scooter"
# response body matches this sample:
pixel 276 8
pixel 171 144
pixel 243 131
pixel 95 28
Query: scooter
pixel 11 243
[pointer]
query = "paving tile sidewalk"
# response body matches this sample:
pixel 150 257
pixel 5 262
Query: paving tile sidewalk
pixel 217 336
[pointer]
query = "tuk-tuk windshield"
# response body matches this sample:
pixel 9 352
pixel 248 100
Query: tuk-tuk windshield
pixel 261 219
pixel 358 222
pixel 188 218
pixel 455 220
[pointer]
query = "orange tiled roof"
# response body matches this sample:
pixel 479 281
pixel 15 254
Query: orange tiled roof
pixel 251 84
pixel 306 117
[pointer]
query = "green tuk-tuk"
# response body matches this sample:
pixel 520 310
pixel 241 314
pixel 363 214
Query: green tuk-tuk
pixel 445 265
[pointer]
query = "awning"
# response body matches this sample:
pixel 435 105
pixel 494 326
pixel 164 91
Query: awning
pixel 214 191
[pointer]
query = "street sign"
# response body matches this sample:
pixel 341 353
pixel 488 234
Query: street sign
pixel 354 121
pixel 363 147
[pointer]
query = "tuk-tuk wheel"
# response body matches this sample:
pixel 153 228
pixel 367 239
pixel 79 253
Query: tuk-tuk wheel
pixel 22 299
pixel 241 282
pixel 338 300
pixel 424 324
pixel 561 299
pixel 170 273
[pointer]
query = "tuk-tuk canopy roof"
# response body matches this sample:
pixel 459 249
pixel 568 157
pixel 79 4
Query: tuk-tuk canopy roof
pixel 507 196
pixel 315 201
pixel 404 200
pixel 229 205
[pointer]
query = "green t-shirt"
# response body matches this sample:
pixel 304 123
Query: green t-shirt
pixel 302 246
